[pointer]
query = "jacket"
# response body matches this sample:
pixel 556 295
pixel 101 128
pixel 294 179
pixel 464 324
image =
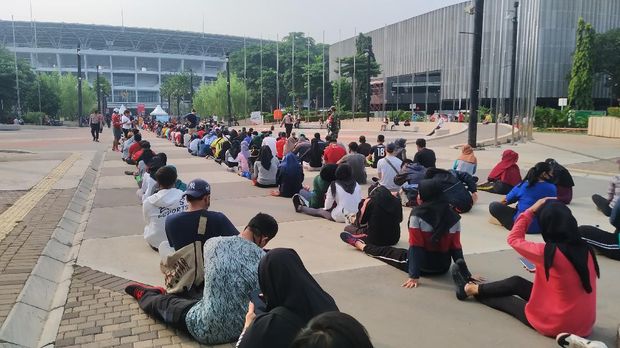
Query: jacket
pixel 155 209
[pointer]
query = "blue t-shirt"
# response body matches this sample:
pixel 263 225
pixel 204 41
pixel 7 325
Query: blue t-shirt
pixel 182 228
pixel 526 197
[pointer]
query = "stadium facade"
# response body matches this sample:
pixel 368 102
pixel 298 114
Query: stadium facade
pixel 134 60
pixel 426 60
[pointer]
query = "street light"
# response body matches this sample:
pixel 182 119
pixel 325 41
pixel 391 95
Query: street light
pixel 230 120
pixel 79 78
pixel 367 53
pixel 98 90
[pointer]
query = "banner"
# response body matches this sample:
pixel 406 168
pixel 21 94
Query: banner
pixel 277 114
pixel 140 109
pixel 256 117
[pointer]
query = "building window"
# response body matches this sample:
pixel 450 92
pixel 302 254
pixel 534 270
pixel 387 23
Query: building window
pixel 124 96
pixel 148 97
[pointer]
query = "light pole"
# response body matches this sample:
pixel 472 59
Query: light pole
pixel 367 53
pixel 191 86
pixel 230 119
pixel 79 86
pixel 98 91
pixel 513 71
pixel 475 73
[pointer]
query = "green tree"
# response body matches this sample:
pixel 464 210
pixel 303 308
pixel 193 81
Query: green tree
pixel 580 86
pixel 211 99
pixel 8 86
pixel 359 66
pixel 607 58
pixel 342 94
pixel 104 84
pixel 67 87
pixel 176 87
pixel 48 92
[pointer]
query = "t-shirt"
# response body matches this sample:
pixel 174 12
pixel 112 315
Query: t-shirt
pixel 526 196
pixel 425 157
pixel 181 228
pixel 116 121
pixel 388 173
pixel 126 122
pixel 280 147
pixel 365 149
pixel 333 153
pixel 192 120
pixel 357 162
pixel 378 152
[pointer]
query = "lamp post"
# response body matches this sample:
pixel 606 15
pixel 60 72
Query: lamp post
pixel 367 53
pixel 191 86
pixel 475 73
pixel 79 86
pixel 513 72
pixel 98 91
pixel 230 119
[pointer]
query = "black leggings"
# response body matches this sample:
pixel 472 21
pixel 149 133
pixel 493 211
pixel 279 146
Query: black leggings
pixel 169 308
pixel 258 184
pixel 509 296
pixel 602 204
pixel 94 130
pixel 503 213
pixel 318 212
pixel 394 257
pixel 604 242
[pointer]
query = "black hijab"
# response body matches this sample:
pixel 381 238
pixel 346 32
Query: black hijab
pixel 560 231
pixel 561 175
pixel 265 157
pixel 385 201
pixel 235 147
pixel 435 209
pixel 316 153
pixel 328 172
pixel 344 178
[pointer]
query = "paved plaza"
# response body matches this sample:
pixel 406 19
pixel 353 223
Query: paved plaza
pixel 65 262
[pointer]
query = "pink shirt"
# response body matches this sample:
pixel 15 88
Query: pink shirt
pixel 560 304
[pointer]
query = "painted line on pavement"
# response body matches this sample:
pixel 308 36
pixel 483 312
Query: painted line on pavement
pixel 16 213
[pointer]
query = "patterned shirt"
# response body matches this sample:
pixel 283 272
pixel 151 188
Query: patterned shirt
pixel 231 274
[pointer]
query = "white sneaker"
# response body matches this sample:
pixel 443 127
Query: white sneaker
pixel 567 340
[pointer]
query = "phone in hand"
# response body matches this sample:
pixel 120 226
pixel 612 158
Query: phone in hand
pixel 256 297
pixel 527 264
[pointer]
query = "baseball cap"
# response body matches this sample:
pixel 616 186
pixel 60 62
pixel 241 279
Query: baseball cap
pixel 198 188
pixel 391 147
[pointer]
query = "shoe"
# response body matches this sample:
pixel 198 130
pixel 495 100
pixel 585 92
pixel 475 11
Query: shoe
pixel 297 202
pixel 128 172
pixel 459 281
pixel 137 290
pixel 350 239
pixel 573 341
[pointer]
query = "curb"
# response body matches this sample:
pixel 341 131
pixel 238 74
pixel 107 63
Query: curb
pixel 34 319
pixel 504 139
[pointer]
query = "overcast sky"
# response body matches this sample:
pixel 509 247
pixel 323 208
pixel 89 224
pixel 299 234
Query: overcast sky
pixel 233 17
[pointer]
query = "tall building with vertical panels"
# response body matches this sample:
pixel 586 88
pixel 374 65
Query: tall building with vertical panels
pixel 426 60
pixel 134 60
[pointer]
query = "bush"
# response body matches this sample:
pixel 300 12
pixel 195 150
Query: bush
pixel 551 118
pixel 34 117
pixel 613 111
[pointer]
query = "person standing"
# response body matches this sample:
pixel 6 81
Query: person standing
pixel 96 123
pixel 192 122
pixel 116 130
pixel 288 122
pixel 126 122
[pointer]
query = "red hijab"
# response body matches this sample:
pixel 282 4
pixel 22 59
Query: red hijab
pixel 507 170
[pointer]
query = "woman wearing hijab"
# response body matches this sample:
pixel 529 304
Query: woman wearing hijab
pixel 341 200
pixel 265 169
pixel 333 330
pixel 467 161
pixel 292 298
pixel 504 176
pixel 434 239
pixel 534 187
pixel 563 181
pixel 290 177
pixel 315 155
pixel 320 185
pixel 562 297
pixel 400 151
pixel 378 221
pixel 232 153
pixel 243 158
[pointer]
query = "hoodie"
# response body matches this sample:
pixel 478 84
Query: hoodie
pixel 156 208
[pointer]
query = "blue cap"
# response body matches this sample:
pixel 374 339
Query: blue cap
pixel 198 188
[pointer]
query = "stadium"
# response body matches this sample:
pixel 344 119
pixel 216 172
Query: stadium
pixel 134 60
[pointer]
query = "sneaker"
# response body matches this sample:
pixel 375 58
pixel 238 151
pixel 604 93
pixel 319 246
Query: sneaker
pixel 573 341
pixel 137 290
pixel 459 281
pixel 297 202
pixel 349 238
pixel 128 172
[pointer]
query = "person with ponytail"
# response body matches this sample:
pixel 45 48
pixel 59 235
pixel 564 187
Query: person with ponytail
pixel 535 186
pixel 562 297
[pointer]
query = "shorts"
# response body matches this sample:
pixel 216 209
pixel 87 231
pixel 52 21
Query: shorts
pixel 117 133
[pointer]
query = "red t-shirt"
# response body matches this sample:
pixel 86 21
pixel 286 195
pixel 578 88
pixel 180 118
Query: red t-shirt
pixel 137 154
pixel 333 153
pixel 201 133
pixel 133 149
pixel 116 121
pixel 559 304
pixel 280 147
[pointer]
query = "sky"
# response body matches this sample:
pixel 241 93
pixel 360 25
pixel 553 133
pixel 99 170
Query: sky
pixel 252 18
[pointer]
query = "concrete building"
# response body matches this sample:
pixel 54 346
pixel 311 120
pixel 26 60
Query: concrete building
pixel 426 60
pixel 134 60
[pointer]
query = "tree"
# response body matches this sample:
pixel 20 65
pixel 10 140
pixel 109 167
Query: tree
pixel 580 86
pixel 359 65
pixel 211 99
pixel 8 86
pixel 48 91
pixel 607 58
pixel 176 87
pixel 342 94
pixel 67 87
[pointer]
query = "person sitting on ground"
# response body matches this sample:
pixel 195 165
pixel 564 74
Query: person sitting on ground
pixel 192 148
pixel 320 185
pixel 604 242
pixel 434 238
pixel 562 180
pixel 504 176
pixel 144 153
pixel 458 187
pixel 364 148
pixel 146 182
pixel 280 143
pixel 568 340
pixel 155 208
pixel 333 330
pixel 290 177
pixel 387 169
pixel 562 297
pixel 341 200
pixel 289 146
pixel 223 148
pixel 424 156
pixel 270 141
pixel 230 265
pixel 534 187
pixel 301 148
pixel 401 151
pixel 333 152
pixel 439 125
pixel 378 221
pixel 605 205
pixel 231 155
pixel 133 147
pixel 216 144
pixel 467 161
pixel 409 178
pixel 315 154
pixel 127 144
pixel 265 169
pixel 357 162
pixel 243 158
pixel 292 297
pixel 204 147
pixel 377 152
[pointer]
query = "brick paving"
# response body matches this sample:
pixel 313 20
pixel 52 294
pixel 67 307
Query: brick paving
pixel 21 248
pixel 98 313
pixel 7 198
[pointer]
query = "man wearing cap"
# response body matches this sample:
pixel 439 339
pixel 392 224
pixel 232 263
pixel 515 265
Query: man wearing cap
pixel 116 129
pixel 388 167
pixel 182 228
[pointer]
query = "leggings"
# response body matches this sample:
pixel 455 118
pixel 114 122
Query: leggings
pixel 258 184
pixel 509 296
pixel 602 204
pixel 94 130
pixel 503 213
pixel 318 212
pixel 394 257
pixel 604 242
pixel 169 308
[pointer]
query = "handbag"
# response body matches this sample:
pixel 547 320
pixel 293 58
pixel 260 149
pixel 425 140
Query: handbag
pixel 184 268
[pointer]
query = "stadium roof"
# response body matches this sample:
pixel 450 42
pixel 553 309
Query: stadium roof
pixel 114 38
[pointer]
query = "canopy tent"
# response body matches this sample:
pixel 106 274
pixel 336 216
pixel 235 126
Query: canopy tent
pixel 160 114
pixel 122 109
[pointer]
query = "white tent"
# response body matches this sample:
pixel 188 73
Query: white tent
pixel 122 109
pixel 158 111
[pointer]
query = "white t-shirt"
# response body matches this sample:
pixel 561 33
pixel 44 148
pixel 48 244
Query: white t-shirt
pixel 346 203
pixel 126 122
pixel 388 173
pixel 271 142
